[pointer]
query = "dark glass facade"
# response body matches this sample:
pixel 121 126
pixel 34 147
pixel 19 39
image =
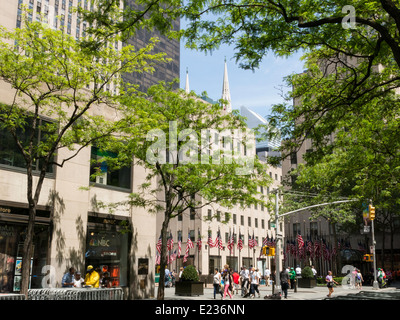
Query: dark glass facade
pixel 163 72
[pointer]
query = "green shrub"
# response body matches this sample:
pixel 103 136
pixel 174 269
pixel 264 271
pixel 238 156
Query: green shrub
pixel 307 273
pixel 190 274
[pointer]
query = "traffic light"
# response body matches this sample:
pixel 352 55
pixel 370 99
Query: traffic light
pixel 265 251
pixel 271 252
pixel 371 210
pixel 368 258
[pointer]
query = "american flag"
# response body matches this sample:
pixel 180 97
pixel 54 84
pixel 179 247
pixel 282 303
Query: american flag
pixel 189 245
pixel 300 241
pixel 179 245
pixel 240 242
pixel 157 258
pixel 209 240
pixel 266 241
pixel 255 243
pixel 173 257
pixel 251 243
pixel 231 243
pixel 199 242
pixel 218 241
pixel 158 245
pixel 170 242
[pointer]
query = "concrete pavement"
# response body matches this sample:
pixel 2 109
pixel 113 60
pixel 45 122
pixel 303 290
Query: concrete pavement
pixel 316 293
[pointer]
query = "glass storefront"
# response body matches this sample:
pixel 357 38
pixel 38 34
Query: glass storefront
pixel 12 236
pixel 107 249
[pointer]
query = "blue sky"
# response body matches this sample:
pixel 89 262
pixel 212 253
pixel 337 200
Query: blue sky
pixel 257 90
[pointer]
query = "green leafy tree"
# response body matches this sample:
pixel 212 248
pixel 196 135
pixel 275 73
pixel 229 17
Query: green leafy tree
pixel 171 137
pixel 51 76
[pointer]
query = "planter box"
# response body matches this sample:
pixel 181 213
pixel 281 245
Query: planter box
pixel 189 288
pixel 306 283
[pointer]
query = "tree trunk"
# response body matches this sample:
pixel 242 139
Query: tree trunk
pixel 27 251
pixel 163 256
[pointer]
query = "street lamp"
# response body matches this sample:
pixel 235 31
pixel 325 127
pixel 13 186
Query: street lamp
pixel 371 211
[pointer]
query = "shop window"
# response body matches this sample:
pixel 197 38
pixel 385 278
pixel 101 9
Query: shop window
pixel 101 173
pixel 12 236
pixel 107 250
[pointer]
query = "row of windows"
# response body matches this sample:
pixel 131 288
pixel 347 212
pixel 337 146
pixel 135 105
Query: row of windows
pixel 10 156
pixel 257 222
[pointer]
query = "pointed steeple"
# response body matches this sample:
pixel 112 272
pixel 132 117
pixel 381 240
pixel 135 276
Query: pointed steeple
pixel 187 89
pixel 226 94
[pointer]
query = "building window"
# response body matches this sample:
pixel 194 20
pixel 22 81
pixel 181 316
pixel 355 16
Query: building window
pixel 234 218
pixel 314 230
pixel 209 214
pixel 101 174
pixel 256 223
pixel 249 221
pixel 10 155
pixel 242 220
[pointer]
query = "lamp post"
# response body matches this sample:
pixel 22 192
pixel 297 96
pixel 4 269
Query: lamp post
pixel 375 284
pixel 278 235
pixel 278 242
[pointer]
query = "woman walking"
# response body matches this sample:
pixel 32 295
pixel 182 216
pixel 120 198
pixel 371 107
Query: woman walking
pixel 330 281
pixel 217 283
pixel 228 281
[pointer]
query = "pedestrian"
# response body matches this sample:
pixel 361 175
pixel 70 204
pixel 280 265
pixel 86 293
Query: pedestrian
pixel 329 283
pixel 244 274
pixel 92 278
pixel 217 283
pixel 267 274
pixel 78 281
pixel 314 272
pixel 68 278
pixel 227 283
pixel 298 271
pixel 254 281
pixel 285 281
pixel 180 273
pixel 359 279
pixel 292 277
pixel 105 281
pixel 235 277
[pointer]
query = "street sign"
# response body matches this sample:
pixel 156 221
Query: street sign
pixel 367 229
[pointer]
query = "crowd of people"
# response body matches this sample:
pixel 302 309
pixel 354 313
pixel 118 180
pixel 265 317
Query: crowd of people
pixel 230 282
pixel 94 278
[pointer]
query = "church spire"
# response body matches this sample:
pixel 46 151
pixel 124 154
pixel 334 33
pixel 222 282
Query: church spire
pixel 187 89
pixel 226 94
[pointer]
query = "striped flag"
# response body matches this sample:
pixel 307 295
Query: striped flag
pixel 170 242
pixel 230 242
pixel 189 245
pixel 179 246
pixel 209 240
pixel 251 244
pixel 240 242
pixel 158 245
pixel 173 257
pixel 300 241
pixel 199 242
pixel 218 241
pixel 266 241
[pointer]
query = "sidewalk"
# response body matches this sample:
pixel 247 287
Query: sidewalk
pixel 316 293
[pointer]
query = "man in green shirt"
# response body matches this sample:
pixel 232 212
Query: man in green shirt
pixel 292 276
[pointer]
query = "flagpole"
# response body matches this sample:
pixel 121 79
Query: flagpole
pixel 208 260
